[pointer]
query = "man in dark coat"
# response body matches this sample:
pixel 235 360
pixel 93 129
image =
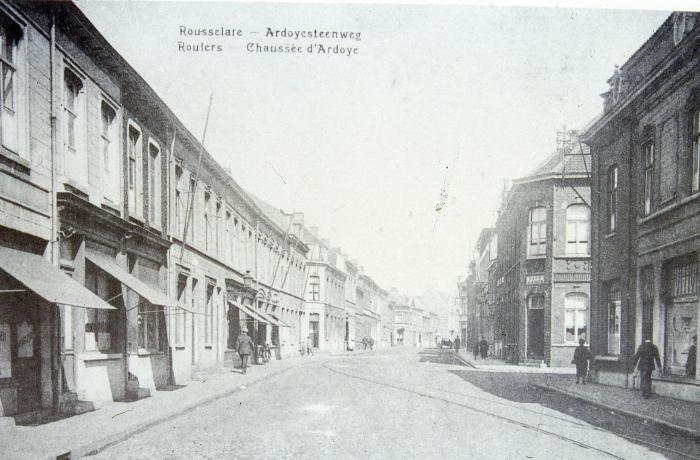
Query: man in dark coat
pixel 457 344
pixel 483 347
pixel 582 356
pixel 690 364
pixel 647 355
pixel 245 347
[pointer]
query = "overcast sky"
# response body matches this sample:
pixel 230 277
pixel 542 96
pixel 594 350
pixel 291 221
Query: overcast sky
pixel 361 144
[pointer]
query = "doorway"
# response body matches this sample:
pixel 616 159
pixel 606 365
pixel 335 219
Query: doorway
pixel 535 327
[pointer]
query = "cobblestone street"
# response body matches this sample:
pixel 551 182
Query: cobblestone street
pixel 399 403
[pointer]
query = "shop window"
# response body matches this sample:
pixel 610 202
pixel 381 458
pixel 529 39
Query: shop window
pixel 537 232
pixel 614 303
pixel 612 199
pixel 10 35
pixel 648 177
pixel 102 327
pixel 681 311
pixel 150 329
pixel 576 317
pixel 578 223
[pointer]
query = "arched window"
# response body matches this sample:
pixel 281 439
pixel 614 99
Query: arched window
pixel 537 232
pixel 578 225
pixel 576 317
pixel 612 198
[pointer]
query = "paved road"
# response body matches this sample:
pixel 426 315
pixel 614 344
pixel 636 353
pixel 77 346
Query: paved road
pixel 393 404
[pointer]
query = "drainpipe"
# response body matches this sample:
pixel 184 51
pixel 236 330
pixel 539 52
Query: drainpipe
pixel 54 318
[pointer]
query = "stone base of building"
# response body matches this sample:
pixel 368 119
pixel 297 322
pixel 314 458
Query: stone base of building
pixel 684 390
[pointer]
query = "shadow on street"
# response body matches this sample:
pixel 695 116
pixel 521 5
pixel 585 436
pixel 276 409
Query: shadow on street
pixel 519 388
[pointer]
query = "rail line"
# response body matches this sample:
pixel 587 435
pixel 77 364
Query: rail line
pixel 506 419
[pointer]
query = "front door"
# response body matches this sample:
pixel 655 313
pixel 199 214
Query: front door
pixel 535 333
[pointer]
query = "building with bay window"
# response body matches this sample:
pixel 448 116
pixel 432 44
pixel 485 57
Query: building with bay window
pixel 539 277
pixel 646 170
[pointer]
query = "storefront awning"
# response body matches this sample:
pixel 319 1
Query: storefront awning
pixel 281 323
pixel 272 319
pixel 249 311
pixel 130 281
pixel 47 281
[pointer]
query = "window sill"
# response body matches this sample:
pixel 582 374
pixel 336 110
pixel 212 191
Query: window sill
pixel 667 209
pixel 608 358
pixel 14 162
pixel 537 257
pixel 180 347
pixel 573 256
pixel 610 235
pixel 144 352
pixel 97 356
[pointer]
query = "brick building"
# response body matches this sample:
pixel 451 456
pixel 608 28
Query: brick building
pixel 541 274
pixel 646 157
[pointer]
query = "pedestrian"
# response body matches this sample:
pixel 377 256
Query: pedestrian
pixel 476 351
pixel 483 347
pixel 457 344
pixel 371 343
pixel 692 358
pixel 647 354
pixel 310 345
pixel 582 356
pixel 244 346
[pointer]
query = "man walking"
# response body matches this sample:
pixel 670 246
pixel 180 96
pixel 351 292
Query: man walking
pixel 245 348
pixel 582 356
pixel 310 345
pixel 692 357
pixel 456 345
pixel 647 355
pixel 483 347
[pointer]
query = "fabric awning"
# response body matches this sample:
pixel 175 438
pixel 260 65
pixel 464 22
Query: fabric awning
pixel 47 281
pixel 249 311
pixel 270 318
pixel 130 281
pixel 279 321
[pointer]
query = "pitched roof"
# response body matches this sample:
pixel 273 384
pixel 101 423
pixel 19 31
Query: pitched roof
pixel 575 161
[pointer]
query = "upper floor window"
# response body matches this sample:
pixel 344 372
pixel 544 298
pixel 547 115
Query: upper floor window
pixel 207 223
pixel 612 198
pixel 180 205
pixel 537 230
pixel 134 192
pixel 8 90
pixel 578 220
pixel 110 156
pixel 696 151
pixel 315 285
pixel 74 126
pixel 648 177
pixel 154 183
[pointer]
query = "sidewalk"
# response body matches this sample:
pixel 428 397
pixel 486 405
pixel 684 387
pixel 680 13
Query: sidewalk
pixel 85 433
pixel 680 415
pixel 499 365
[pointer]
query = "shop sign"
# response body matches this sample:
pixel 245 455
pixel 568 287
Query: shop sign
pixel 534 279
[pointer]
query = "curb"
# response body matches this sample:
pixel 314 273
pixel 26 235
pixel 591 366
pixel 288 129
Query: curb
pixel 465 362
pixel 96 446
pixel 685 430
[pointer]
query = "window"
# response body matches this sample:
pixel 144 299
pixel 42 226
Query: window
pixel 217 226
pixel 315 284
pixel 149 327
pixel 180 203
pixel 227 239
pixel 537 231
pixel 612 199
pixel 648 176
pixel 102 327
pixel 209 315
pixel 535 302
pixel 578 220
pixel 179 317
pixel 134 170
pixel 576 317
pixel 73 133
pixel 8 90
pixel 696 151
pixel 614 299
pixel 110 156
pixel 154 183
pixel 207 223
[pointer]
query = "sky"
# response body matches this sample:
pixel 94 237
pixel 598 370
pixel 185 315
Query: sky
pixel 436 96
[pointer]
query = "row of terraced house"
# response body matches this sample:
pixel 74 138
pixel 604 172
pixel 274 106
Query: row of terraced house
pixel 130 260
pixel 601 242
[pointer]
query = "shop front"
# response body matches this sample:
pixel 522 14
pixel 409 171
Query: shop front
pixel 32 292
